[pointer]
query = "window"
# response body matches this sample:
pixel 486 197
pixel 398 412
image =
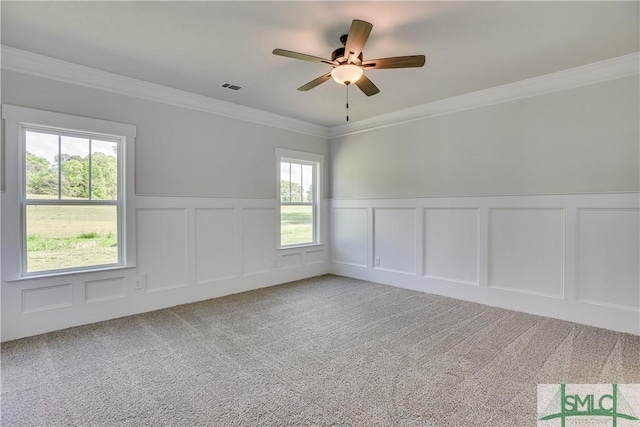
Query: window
pixel 71 191
pixel 71 200
pixel 299 195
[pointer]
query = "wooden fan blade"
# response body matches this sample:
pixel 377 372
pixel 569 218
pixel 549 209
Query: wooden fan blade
pixel 396 62
pixel 357 37
pixel 367 86
pixel 314 83
pixel 303 56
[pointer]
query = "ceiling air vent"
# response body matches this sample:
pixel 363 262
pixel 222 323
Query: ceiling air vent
pixel 235 88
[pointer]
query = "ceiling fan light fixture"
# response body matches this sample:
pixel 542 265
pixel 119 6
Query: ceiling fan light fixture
pixel 348 64
pixel 347 73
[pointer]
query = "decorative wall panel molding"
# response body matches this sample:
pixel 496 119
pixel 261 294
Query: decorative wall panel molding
pixel 189 249
pixel 608 271
pixel 215 234
pixel 451 245
pixel 312 256
pixel 525 250
pixel 572 257
pixel 46 298
pixel 162 247
pixel 394 231
pixel 105 289
pixel 349 237
pixel 259 240
pixel 291 260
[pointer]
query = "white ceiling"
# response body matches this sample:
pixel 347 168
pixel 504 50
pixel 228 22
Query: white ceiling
pixel 195 46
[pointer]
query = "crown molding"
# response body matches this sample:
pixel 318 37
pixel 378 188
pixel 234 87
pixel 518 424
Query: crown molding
pixel 611 69
pixel 43 66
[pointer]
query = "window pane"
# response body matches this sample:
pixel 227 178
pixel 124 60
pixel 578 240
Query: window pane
pixel 307 183
pixel 74 161
pixel 296 182
pixel 104 170
pixel 41 170
pixel 71 236
pixel 285 184
pixel 296 225
pixel 285 167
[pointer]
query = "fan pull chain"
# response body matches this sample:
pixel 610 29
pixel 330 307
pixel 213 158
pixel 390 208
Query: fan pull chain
pixel 347 102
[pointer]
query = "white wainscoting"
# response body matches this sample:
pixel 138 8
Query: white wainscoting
pixel 350 236
pixel 162 247
pixel 258 240
pixel 608 257
pixel 99 290
pixel 526 249
pixel 215 244
pixel 571 257
pixel 188 249
pixel 451 245
pixel 47 298
pixel 394 239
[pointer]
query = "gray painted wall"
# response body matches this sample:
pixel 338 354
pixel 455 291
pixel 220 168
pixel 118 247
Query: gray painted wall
pixel 183 248
pixel 583 140
pixel 178 151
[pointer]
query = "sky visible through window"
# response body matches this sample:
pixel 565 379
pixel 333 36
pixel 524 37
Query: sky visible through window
pixel 298 174
pixel 46 145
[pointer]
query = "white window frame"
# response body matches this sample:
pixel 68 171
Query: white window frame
pixel 317 161
pixel 19 120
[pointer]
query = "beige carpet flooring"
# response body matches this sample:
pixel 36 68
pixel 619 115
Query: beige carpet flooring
pixel 327 351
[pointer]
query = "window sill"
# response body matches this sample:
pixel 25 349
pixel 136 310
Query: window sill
pixel 48 275
pixel 304 246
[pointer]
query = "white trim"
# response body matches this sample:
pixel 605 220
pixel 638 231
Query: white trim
pixel 449 196
pixel 14 203
pixel 298 155
pixel 605 304
pixel 43 66
pixel 52 274
pixel 448 279
pixel 41 118
pixel 610 69
pixel 317 161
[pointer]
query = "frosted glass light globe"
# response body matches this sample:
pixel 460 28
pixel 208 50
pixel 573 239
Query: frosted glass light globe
pixel 347 74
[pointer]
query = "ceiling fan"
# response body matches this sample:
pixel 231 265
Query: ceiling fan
pixel 348 64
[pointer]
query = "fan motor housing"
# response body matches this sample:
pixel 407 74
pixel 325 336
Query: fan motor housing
pixel 338 54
